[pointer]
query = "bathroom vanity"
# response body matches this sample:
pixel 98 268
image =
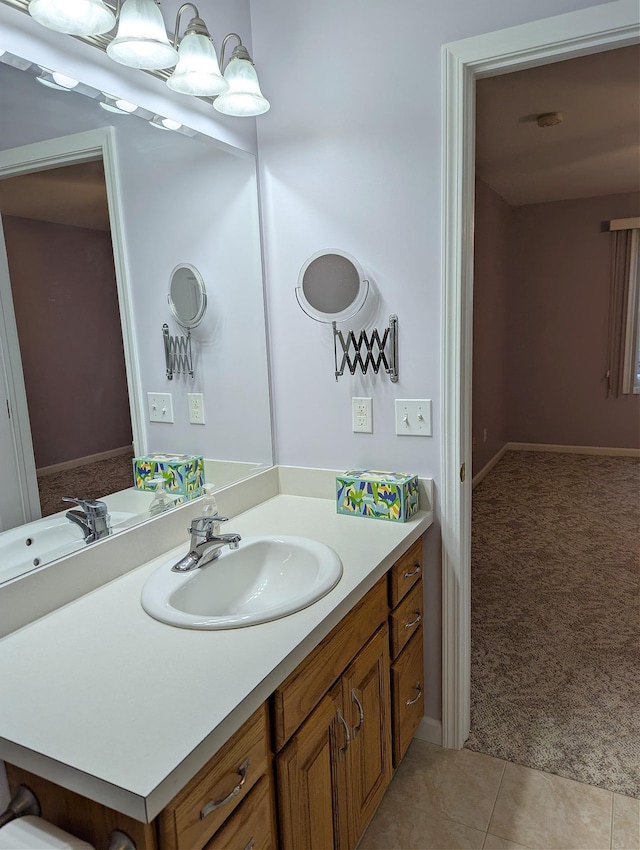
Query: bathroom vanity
pixel 283 734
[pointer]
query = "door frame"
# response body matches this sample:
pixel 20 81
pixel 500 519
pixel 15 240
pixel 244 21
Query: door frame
pixel 591 30
pixel 40 156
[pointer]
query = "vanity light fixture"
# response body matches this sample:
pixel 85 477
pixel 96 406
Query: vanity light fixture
pixel 117 105
pixel 244 96
pixel 75 17
pixel 161 123
pixel 197 72
pixel 141 40
pixel 54 80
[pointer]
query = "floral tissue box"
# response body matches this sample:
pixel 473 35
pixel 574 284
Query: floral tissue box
pixel 183 475
pixel 381 495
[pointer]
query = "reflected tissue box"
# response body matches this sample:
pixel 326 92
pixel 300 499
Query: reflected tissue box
pixel 381 495
pixel 183 475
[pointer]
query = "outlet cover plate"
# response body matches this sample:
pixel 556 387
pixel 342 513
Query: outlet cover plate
pixel 362 415
pixel 160 407
pixel 413 417
pixel 196 408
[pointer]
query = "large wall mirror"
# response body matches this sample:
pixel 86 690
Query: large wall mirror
pixel 82 309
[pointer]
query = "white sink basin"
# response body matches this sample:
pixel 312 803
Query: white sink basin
pixel 264 579
pixel 44 540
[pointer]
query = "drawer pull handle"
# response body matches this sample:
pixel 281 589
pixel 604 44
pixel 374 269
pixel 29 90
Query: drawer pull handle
pixel 414 572
pixel 354 697
pixel 347 736
pixel 251 844
pixel 415 622
pixel 418 695
pixel 212 805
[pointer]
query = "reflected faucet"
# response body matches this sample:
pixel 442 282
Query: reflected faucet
pixel 205 543
pixel 93 518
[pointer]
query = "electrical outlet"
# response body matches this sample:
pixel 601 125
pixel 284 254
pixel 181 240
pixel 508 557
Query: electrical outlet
pixel 196 408
pixel 160 407
pixel 413 417
pixel 361 415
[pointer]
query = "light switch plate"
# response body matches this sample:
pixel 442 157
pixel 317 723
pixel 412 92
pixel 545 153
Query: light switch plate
pixel 413 417
pixel 160 407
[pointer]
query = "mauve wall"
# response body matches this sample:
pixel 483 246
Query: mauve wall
pixel 558 321
pixel 66 305
pixel 492 271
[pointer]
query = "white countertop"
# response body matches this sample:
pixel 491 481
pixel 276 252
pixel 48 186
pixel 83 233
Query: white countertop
pixel 103 699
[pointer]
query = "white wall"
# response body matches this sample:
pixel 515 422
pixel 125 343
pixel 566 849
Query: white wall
pixel 350 158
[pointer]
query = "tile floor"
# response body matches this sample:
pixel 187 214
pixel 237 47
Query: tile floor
pixel 450 799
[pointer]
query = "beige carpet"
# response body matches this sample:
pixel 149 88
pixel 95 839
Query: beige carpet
pixel 555 681
pixel 91 481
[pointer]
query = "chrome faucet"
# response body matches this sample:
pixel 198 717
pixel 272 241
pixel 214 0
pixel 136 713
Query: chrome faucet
pixel 205 543
pixel 93 518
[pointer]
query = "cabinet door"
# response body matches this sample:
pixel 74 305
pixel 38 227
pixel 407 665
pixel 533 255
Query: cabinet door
pixel 311 772
pixel 366 698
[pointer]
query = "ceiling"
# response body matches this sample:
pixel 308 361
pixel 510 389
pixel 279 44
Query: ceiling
pixel 73 194
pixel 594 151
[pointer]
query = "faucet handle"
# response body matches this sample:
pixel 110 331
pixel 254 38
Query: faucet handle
pixel 202 526
pixel 91 507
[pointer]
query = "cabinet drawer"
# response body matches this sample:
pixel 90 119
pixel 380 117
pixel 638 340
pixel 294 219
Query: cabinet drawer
pixel 250 826
pixel 199 809
pixel 405 573
pixel 295 699
pixel 406 618
pixel 407 695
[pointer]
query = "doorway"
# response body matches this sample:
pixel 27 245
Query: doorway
pixel 591 30
pixel 36 161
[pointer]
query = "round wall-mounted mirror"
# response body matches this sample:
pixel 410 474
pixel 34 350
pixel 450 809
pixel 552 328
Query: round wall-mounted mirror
pixel 187 295
pixel 331 286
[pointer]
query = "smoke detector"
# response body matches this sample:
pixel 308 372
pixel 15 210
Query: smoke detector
pixel 549 119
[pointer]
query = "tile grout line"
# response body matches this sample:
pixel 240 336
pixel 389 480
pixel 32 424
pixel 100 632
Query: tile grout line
pixel 493 808
pixel 613 803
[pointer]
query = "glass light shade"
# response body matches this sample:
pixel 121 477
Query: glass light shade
pixel 64 81
pixel 141 40
pixel 46 79
pixel 244 96
pixel 117 105
pixel 197 71
pixel 75 17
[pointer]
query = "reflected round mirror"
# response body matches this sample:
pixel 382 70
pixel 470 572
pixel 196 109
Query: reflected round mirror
pixel 187 295
pixel 331 286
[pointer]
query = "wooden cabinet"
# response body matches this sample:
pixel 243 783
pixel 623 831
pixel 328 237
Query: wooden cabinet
pixel 406 597
pixel 194 814
pixel 252 825
pixel 367 711
pixel 334 771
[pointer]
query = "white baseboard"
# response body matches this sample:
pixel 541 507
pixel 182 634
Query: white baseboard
pixel 486 469
pixel 576 450
pixel 430 730
pixel 83 461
